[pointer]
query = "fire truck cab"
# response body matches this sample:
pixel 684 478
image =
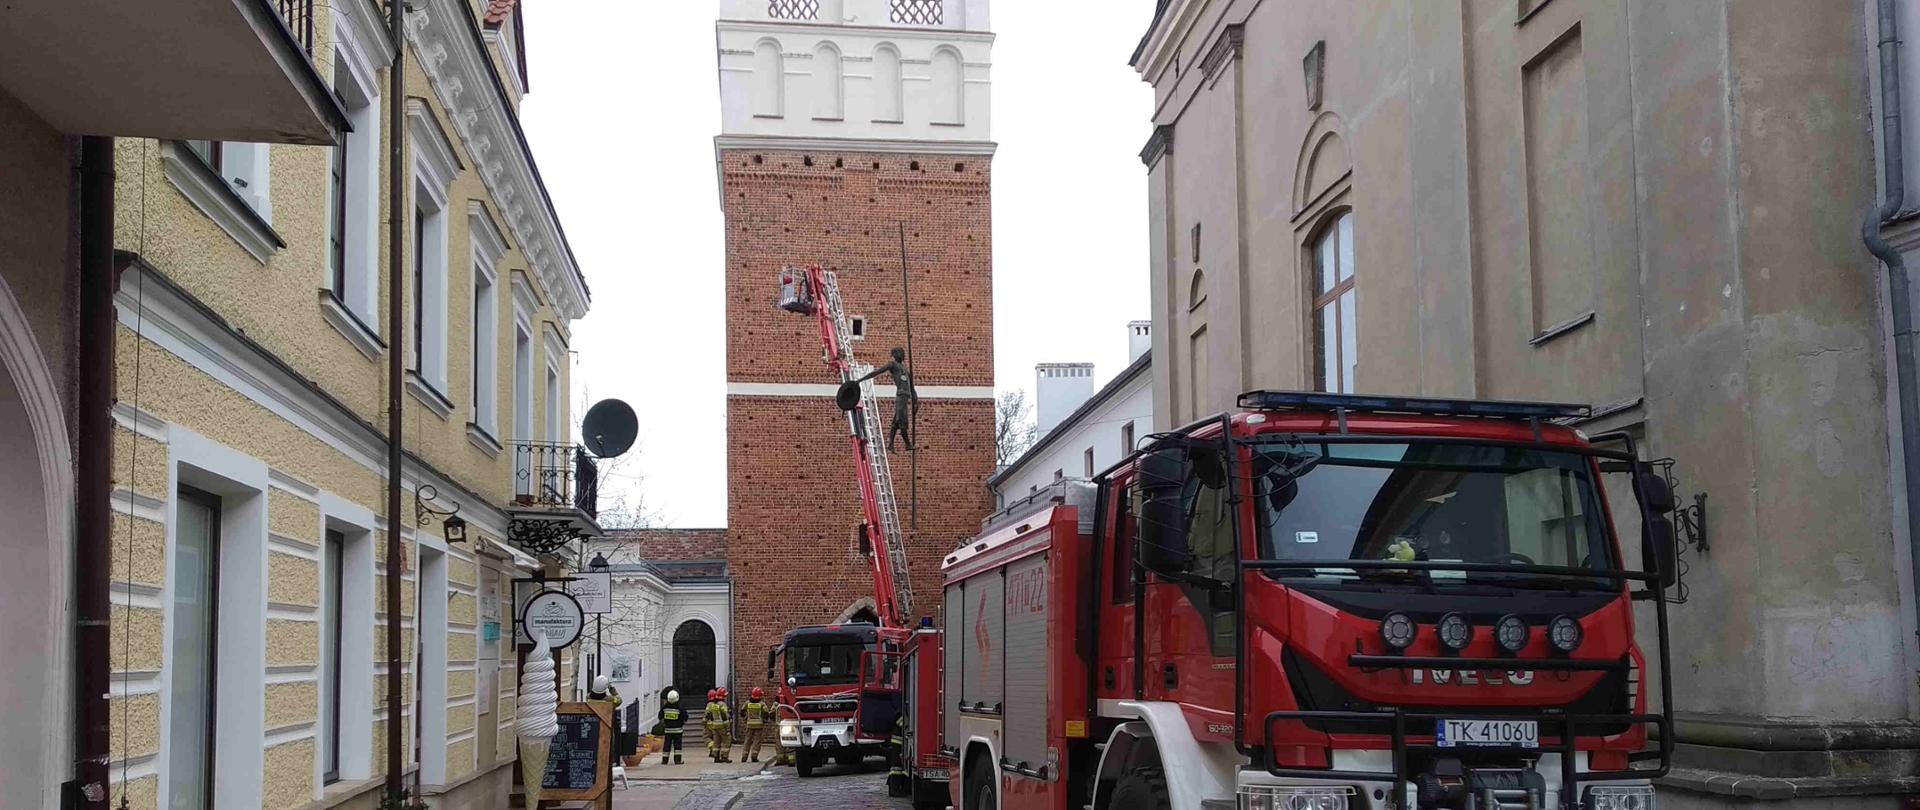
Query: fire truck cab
pixel 1320 602
pixel 840 692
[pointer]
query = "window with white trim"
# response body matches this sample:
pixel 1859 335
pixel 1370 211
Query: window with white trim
pixel 434 167
pixel 487 249
pixel 353 199
pixel 1335 338
pixel 245 167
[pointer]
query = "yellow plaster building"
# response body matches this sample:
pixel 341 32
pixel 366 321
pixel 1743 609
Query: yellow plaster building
pixel 249 633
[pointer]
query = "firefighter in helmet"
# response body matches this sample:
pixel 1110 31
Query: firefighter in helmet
pixel 672 726
pixel 757 712
pixel 718 722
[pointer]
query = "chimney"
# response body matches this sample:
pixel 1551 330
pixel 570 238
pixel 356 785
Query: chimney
pixel 1139 339
pixel 1061 388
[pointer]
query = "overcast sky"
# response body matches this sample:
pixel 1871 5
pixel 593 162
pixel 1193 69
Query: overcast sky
pixel 622 110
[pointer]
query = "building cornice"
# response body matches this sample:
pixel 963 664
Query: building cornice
pixel 1163 38
pixel 884 31
pixel 1159 144
pixel 453 54
pixel 1226 48
pixel 722 143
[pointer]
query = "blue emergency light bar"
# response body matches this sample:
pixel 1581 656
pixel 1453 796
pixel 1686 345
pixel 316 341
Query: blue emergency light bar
pixel 1356 403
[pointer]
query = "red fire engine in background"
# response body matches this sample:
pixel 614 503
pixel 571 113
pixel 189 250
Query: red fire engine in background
pixel 1317 602
pixel 847 691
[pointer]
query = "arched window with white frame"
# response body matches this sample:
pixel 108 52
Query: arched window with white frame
pixel 949 92
pixel 886 85
pixel 829 91
pixel 1336 345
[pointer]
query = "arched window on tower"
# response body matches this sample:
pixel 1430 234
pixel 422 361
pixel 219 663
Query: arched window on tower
pixel 769 80
pixel 949 97
pixel 886 85
pixel 829 85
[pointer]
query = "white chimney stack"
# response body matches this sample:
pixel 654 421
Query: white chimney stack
pixel 1060 389
pixel 1139 339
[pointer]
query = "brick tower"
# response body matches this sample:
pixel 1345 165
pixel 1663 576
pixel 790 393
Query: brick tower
pixel 846 124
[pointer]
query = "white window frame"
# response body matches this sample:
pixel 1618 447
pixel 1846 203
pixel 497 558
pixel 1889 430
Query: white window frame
pixel 354 311
pixel 357 620
pixel 488 247
pixel 524 305
pixel 241 482
pixel 434 166
pixel 236 196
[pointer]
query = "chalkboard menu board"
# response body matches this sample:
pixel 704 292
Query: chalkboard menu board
pixel 577 760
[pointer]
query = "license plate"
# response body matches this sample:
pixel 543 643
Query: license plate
pixel 1487 733
pixel 934 773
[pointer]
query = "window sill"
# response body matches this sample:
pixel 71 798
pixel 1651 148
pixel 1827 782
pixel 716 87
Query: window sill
pixel 1555 331
pixel 429 395
pixel 769 117
pixel 204 188
pixel 835 119
pixel 481 438
pixel 887 121
pixel 949 123
pixel 350 327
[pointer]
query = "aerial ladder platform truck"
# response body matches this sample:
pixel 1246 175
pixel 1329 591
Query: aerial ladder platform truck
pixel 850 691
pixel 1320 602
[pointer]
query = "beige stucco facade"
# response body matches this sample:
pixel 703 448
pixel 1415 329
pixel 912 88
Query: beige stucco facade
pixel 239 376
pixel 1651 207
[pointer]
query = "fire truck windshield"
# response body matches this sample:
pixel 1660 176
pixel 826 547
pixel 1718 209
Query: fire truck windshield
pixel 1494 504
pixel 824 664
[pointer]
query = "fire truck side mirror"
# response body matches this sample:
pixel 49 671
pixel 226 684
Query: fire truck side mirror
pixel 1657 550
pixel 773 654
pixel 1162 521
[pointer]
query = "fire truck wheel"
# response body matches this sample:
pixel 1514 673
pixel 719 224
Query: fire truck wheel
pixel 1144 789
pixel 982 784
pixel 803 764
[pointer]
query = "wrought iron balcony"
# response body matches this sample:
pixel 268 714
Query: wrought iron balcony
pixel 556 495
pixel 298 15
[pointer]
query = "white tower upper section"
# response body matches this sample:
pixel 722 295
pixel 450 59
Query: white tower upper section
pixel 900 74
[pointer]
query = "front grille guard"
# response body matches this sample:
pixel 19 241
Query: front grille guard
pixel 1394 723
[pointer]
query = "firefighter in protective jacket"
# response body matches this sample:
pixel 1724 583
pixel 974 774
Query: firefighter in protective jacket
pixel 672 726
pixel 718 722
pixel 758 712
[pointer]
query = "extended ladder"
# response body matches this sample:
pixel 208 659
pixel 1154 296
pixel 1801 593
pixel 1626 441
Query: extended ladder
pixel 816 292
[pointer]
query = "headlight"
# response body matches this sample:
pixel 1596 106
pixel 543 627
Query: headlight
pixel 1455 632
pixel 1398 630
pixel 1511 632
pixel 1565 633
pixel 1275 797
pixel 1620 797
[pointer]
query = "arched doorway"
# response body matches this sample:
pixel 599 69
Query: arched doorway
pixel 693 662
pixel 865 615
pixel 36 495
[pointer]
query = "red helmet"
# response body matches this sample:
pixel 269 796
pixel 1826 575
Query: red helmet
pixel 713 695
pixel 723 692
pixel 758 693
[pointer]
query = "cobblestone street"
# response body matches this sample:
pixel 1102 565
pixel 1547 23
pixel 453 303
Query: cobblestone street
pixel 832 788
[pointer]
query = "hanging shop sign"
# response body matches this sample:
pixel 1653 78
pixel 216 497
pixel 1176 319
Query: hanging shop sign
pixel 594 591
pixel 556 615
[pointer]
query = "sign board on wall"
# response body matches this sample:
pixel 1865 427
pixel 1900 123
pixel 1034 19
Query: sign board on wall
pixel 556 615
pixel 594 591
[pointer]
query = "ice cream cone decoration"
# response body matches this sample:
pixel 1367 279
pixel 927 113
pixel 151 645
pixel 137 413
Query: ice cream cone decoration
pixel 538 719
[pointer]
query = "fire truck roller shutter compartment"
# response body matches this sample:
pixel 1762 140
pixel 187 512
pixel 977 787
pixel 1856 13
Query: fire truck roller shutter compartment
pixel 984 673
pixel 1026 649
pixel 957 651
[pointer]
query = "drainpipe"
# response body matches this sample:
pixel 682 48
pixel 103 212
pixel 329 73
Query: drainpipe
pixel 396 322
pixel 1894 167
pixel 93 484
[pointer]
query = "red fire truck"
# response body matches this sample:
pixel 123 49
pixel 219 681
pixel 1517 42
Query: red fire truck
pixel 1318 602
pixel 848 690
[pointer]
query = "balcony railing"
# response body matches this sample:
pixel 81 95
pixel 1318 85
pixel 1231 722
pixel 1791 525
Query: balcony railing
pixel 298 15
pixel 550 475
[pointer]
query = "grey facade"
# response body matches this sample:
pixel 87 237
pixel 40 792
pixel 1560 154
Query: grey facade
pixel 1651 206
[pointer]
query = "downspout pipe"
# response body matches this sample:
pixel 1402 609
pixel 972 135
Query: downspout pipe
pixel 93 484
pixel 1899 285
pixel 396 321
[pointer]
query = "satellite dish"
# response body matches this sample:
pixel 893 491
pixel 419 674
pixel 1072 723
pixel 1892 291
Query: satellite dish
pixel 610 428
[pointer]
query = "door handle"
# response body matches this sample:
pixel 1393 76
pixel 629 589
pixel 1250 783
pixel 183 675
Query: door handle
pixel 1170 676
